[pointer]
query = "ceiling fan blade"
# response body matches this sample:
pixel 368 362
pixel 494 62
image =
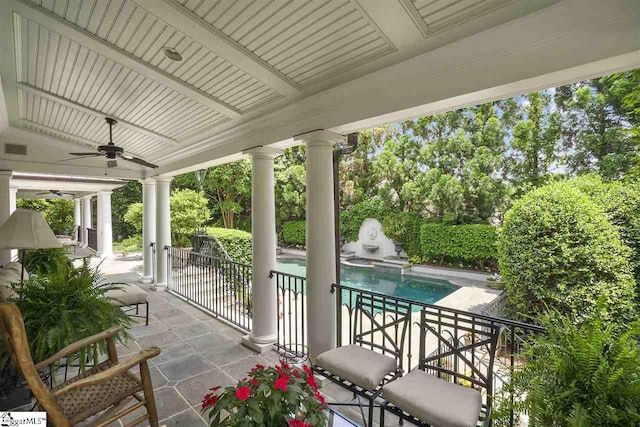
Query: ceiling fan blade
pixel 85 154
pixel 138 161
pixel 42 194
pixel 83 157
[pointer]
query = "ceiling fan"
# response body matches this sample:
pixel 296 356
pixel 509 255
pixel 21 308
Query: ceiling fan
pixel 112 152
pixel 55 193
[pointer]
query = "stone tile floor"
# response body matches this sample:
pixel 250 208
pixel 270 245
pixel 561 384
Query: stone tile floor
pixel 197 352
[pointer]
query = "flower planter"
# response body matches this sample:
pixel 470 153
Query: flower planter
pixel 398 247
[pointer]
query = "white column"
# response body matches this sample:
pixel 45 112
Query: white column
pixel 13 193
pixel 263 220
pixel 148 228
pixel 77 217
pixel 86 220
pixel 163 231
pixel 105 231
pixel 5 209
pixel 321 259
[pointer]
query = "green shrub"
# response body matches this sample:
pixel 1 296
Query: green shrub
pixel 471 245
pixel 189 212
pixel 64 307
pixel 395 226
pixel 352 218
pixel 294 233
pixel 621 201
pixel 557 249
pixel 578 375
pixel 130 244
pixel 57 212
pixel 133 216
pixel 237 243
pixel 45 261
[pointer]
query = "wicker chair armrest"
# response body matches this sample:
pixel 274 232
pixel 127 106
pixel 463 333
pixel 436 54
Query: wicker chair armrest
pixel 79 345
pixel 114 371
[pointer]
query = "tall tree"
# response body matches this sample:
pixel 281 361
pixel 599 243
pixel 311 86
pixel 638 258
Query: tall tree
pixel 229 187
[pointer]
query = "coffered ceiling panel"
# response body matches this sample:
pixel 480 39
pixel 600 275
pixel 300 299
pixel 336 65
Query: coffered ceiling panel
pixel 304 40
pixel 59 66
pixel 133 29
pixel 51 118
pixel 433 16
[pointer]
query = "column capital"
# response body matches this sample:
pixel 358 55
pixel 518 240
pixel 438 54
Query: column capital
pixel 161 178
pixel 87 197
pixel 109 192
pixel 263 152
pixel 147 181
pixel 320 137
pixel 6 173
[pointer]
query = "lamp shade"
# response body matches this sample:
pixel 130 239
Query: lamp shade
pixel 27 229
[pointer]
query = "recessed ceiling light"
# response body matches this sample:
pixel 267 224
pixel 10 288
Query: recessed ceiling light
pixel 172 54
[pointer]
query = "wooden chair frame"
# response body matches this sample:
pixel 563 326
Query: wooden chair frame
pixel 13 331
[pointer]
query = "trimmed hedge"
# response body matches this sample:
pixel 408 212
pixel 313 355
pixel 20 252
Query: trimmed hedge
pixel 558 250
pixel 471 245
pixel 237 243
pixel 294 232
pixel 352 219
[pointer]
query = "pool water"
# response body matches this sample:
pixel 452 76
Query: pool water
pixel 426 290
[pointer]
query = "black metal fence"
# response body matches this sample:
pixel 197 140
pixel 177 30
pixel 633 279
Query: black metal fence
pixel 218 285
pixel 153 262
pixel 457 327
pixel 292 338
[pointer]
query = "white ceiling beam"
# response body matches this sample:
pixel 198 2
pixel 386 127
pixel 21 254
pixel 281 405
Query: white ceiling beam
pixel 74 138
pixel 99 114
pixel 194 27
pixel 37 14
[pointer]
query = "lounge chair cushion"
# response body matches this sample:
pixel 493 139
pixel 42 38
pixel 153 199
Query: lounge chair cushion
pixel 17 267
pixel 435 401
pixel 127 295
pixel 7 277
pixel 357 365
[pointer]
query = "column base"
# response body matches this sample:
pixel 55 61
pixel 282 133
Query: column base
pixel 159 287
pixel 146 280
pixel 261 348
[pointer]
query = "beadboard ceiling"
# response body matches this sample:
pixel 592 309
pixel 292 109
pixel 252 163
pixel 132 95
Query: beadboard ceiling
pixel 74 62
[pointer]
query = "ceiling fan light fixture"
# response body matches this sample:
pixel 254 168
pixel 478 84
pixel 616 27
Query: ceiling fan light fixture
pixel 172 54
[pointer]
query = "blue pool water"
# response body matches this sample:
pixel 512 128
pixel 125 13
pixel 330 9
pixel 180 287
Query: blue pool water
pixel 421 289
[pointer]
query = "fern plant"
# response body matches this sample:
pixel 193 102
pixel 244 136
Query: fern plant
pixel 579 375
pixel 45 261
pixel 66 306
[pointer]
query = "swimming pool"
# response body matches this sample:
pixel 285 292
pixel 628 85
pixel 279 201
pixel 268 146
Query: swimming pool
pixel 426 290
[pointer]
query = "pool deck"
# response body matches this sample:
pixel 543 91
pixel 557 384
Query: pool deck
pixel 472 295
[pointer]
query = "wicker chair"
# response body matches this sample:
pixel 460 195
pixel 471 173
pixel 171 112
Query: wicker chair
pixel 108 386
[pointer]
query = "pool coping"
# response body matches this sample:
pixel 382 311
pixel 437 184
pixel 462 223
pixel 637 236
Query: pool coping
pixel 471 295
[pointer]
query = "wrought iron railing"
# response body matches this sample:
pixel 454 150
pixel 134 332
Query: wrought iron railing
pixel 220 286
pixel 456 326
pixel 292 338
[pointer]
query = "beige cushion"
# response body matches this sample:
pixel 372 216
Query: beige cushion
pixel 7 276
pixel 17 267
pixel 357 365
pixel 127 295
pixel 435 401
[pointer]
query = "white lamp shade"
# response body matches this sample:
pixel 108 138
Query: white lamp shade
pixel 27 229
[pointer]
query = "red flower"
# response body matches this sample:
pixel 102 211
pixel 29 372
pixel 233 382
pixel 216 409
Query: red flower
pixel 243 392
pixel 281 383
pixel 312 382
pixel 286 366
pixel 215 388
pixel 257 368
pixel 307 370
pixel 320 398
pixel 209 400
pixel 296 374
pixel 254 382
pixel 298 423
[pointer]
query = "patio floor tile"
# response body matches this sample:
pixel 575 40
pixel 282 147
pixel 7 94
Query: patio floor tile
pixel 194 389
pixel 186 367
pixel 238 370
pixel 168 403
pixel 165 314
pixel 143 330
pixel 185 419
pixel 176 322
pixel 196 330
pixel 224 355
pixel 208 341
pixel 158 340
pixel 171 352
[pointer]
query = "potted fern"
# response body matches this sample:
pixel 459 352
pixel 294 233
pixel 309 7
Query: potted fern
pixel 63 307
